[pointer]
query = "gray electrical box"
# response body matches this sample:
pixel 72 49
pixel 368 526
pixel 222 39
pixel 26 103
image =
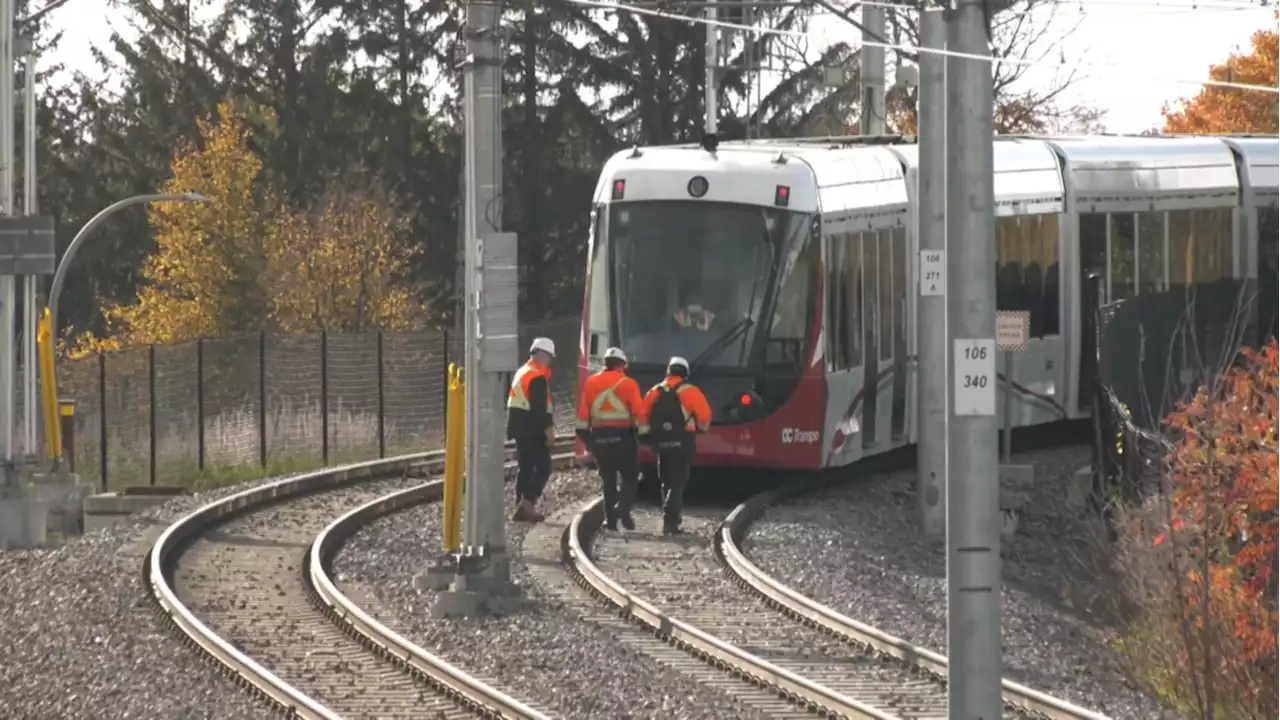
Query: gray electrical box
pixel 26 245
pixel 499 316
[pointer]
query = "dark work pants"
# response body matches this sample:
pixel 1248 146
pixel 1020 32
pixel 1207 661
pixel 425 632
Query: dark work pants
pixel 673 472
pixel 534 460
pixel 617 457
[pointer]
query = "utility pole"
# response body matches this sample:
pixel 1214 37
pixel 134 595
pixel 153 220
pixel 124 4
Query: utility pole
pixel 931 323
pixel 7 292
pixel 871 73
pixel 973 489
pixel 712 60
pixel 482 576
pixel 29 301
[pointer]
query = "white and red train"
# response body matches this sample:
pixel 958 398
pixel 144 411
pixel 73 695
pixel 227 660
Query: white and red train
pixel 805 250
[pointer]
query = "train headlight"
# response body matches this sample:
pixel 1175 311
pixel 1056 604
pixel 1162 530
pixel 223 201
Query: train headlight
pixel 698 186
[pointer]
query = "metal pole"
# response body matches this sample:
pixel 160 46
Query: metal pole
pixel 200 404
pixel 382 403
pixel 1008 409
pixel 485 521
pixel 931 329
pixel 30 379
pixel 151 406
pixel 973 490
pixel 712 59
pixel 871 73
pixel 7 292
pixel 103 436
pixel 324 397
pixel 262 398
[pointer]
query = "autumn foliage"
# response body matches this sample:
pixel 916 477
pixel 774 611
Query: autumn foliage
pixel 1201 559
pixel 1221 110
pixel 249 261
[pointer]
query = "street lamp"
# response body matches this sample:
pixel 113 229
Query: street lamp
pixel 60 275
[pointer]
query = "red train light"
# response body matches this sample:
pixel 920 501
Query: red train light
pixel 619 189
pixel 782 196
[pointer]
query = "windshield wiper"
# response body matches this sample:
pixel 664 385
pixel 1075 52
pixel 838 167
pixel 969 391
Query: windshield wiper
pixel 720 343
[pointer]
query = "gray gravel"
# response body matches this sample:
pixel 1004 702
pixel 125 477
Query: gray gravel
pixel 547 654
pixel 856 549
pixel 79 638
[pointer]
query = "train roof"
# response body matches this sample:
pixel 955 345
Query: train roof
pixel 1261 158
pixel 1027 175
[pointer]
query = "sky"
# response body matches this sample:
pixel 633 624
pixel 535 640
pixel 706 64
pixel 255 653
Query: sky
pixel 1123 49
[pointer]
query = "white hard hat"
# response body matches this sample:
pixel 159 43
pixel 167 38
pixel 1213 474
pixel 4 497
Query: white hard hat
pixel 679 362
pixel 546 345
pixel 615 353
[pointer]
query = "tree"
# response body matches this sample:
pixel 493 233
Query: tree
pixel 205 276
pixel 1220 110
pixel 341 265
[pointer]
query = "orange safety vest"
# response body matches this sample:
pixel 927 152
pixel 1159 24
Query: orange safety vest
pixel 518 398
pixel 693 404
pixel 609 399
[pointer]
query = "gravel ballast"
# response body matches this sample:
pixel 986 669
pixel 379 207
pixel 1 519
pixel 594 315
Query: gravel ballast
pixel 856 548
pixel 553 655
pixel 79 636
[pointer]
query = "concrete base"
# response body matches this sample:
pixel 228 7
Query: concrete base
pixel 1079 486
pixel 109 509
pixel 65 494
pixel 23 522
pixel 436 578
pixel 476 598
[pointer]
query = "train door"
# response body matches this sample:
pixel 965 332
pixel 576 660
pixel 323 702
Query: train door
pixel 870 328
pixel 1093 262
pixel 898 425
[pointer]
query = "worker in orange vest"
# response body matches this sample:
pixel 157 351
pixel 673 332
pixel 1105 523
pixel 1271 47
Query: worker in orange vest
pixel 530 422
pixel 610 412
pixel 675 411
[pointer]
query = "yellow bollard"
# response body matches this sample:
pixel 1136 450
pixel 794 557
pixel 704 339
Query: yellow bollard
pixel 454 460
pixel 48 388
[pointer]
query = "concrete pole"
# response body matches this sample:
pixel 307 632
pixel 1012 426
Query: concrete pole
pixel 7 292
pixel 484 518
pixel 931 328
pixel 973 490
pixel 30 381
pixel 712 59
pixel 871 73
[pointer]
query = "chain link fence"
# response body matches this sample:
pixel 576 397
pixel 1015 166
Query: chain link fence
pixel 270 404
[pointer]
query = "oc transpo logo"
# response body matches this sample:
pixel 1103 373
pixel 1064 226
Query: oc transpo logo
pixel 796 436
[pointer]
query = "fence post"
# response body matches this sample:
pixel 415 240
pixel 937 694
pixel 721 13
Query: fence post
pixel 102 418
pixel 151 403
pixel 262 398
pixel 324 397
pixel 200 404
pixel 382 409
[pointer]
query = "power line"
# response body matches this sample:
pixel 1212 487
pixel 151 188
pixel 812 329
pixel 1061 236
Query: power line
pixel 905 47
pixel 1091 7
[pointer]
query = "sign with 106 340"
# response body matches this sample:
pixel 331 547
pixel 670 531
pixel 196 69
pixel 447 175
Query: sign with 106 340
pixel 974 364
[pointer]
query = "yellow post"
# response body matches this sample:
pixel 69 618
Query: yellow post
pixel 48 388
pixel 454 459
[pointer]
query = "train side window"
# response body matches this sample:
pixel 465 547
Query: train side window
pixel 886 294
pixel 1151 253
pixel 900 288
pixel 1045 306
pixel 870 295
pixel 852 282
pixel 837 303
pixel 1121 241
pixel 1093 243
pixel 1213 256
pixel 598 303
pixel 1181 261
pixel 1007 291
pixel 793 310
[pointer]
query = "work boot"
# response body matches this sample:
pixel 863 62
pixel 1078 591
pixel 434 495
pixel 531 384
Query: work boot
pixel 524 512
pixel 627 522
pixel 611 524
pixel 672 530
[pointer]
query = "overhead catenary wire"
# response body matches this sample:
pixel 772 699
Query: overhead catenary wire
pixel 906 47
pixel 1089 8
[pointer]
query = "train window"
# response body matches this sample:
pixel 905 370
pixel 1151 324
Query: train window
pixel 837 303
pixel 1214 240
pixel 1093 243
pixel 870 295
pixel 900 289
pixel 852 283
pixel 1120 258
pixel 1008 264
pixel 793 309
pixel 1180 260
pixel 886 294
pixel 1151 253
pixel 598 302
pixel 1050 305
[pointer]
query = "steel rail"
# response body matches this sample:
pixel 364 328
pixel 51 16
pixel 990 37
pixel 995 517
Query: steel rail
pixel 161 559
pixel 576 548
pixel 735 528
pixel 456 683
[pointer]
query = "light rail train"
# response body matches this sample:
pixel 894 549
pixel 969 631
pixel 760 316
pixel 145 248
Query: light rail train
pixel 801 257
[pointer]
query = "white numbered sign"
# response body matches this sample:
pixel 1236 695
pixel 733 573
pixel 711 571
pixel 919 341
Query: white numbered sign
pixel 933 272
pixel 975 377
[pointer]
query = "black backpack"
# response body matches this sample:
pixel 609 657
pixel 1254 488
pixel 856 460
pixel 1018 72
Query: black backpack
pixel 666 417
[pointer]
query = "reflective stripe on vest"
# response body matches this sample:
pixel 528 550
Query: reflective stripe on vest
pixel 518 399
pixel 616 412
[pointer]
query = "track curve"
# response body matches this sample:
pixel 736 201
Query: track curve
pixel 286 529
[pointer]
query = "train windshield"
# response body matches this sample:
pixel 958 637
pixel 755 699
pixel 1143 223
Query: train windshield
pixel 693 278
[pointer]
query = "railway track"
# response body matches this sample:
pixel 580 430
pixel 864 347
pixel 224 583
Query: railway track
pixel 770 637
pixel 244 579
